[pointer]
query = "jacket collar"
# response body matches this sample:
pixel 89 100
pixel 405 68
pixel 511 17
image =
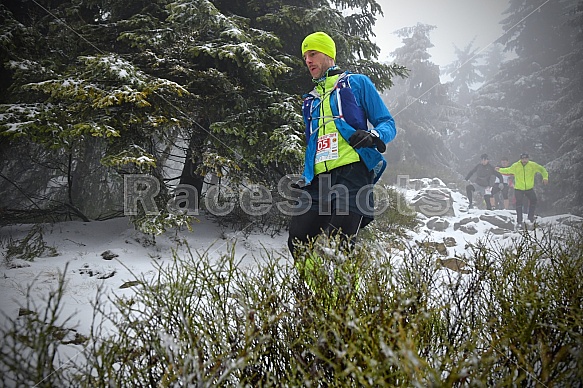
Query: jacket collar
pixel 334 70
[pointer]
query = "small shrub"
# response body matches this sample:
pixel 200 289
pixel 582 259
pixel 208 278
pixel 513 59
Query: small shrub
pixel 535 310
pixel 32 343
pixel 369 317
pixel 30 247
pixel 393 223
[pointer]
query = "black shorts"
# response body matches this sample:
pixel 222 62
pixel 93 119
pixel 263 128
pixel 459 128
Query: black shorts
pixel 345 189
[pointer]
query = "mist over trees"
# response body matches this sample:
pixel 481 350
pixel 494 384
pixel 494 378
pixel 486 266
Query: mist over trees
pixel 465 74
pixel 421 106
pixel 493 58
pixel 531 103
pixel 534 103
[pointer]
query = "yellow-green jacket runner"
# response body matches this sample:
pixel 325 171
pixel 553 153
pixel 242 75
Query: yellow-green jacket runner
pixel 524 174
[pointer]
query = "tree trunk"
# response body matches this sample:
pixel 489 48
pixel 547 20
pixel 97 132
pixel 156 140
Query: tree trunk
pixel 190 182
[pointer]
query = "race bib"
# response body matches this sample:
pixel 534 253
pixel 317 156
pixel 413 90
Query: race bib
pixel 327 147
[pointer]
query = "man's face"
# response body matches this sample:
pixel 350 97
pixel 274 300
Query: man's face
pixel 504 163
pixel 485 161
pixel 317 63
pixel 524 160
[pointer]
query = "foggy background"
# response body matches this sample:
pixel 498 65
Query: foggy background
pixel 458 22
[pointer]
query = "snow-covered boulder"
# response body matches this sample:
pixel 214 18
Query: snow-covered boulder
pixel 434 201
pixel 498 220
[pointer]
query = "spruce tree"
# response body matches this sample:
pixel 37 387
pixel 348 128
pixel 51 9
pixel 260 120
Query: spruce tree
pixel 421 107
pixel 465 73
pixel 174 89
pixel 493 58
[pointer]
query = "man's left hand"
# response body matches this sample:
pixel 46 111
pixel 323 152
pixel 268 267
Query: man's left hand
pixel 361 139
pixel 365 139
pixel 545 181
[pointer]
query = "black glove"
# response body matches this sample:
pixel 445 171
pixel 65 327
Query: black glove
pixel 365 139
pixel 361 139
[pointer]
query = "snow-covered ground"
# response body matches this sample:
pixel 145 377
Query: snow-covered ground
pixel 110 253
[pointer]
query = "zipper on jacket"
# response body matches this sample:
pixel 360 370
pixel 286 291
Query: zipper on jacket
pixel 323 120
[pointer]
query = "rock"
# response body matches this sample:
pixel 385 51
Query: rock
pixel 436 182
pixel 465 221
pixel 109 255
pixel 498 231
pixel 570 220
pixel 449 242
pixel 469 229
pixel 106 275
pixel 86 270
pixel 433 202
pixel 438 224
pixel 454 264
pixel 441 248
pixel 432 245
pixel 416 184
pixel 500 221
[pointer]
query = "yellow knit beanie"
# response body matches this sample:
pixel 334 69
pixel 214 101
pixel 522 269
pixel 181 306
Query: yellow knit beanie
pixel 321 42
